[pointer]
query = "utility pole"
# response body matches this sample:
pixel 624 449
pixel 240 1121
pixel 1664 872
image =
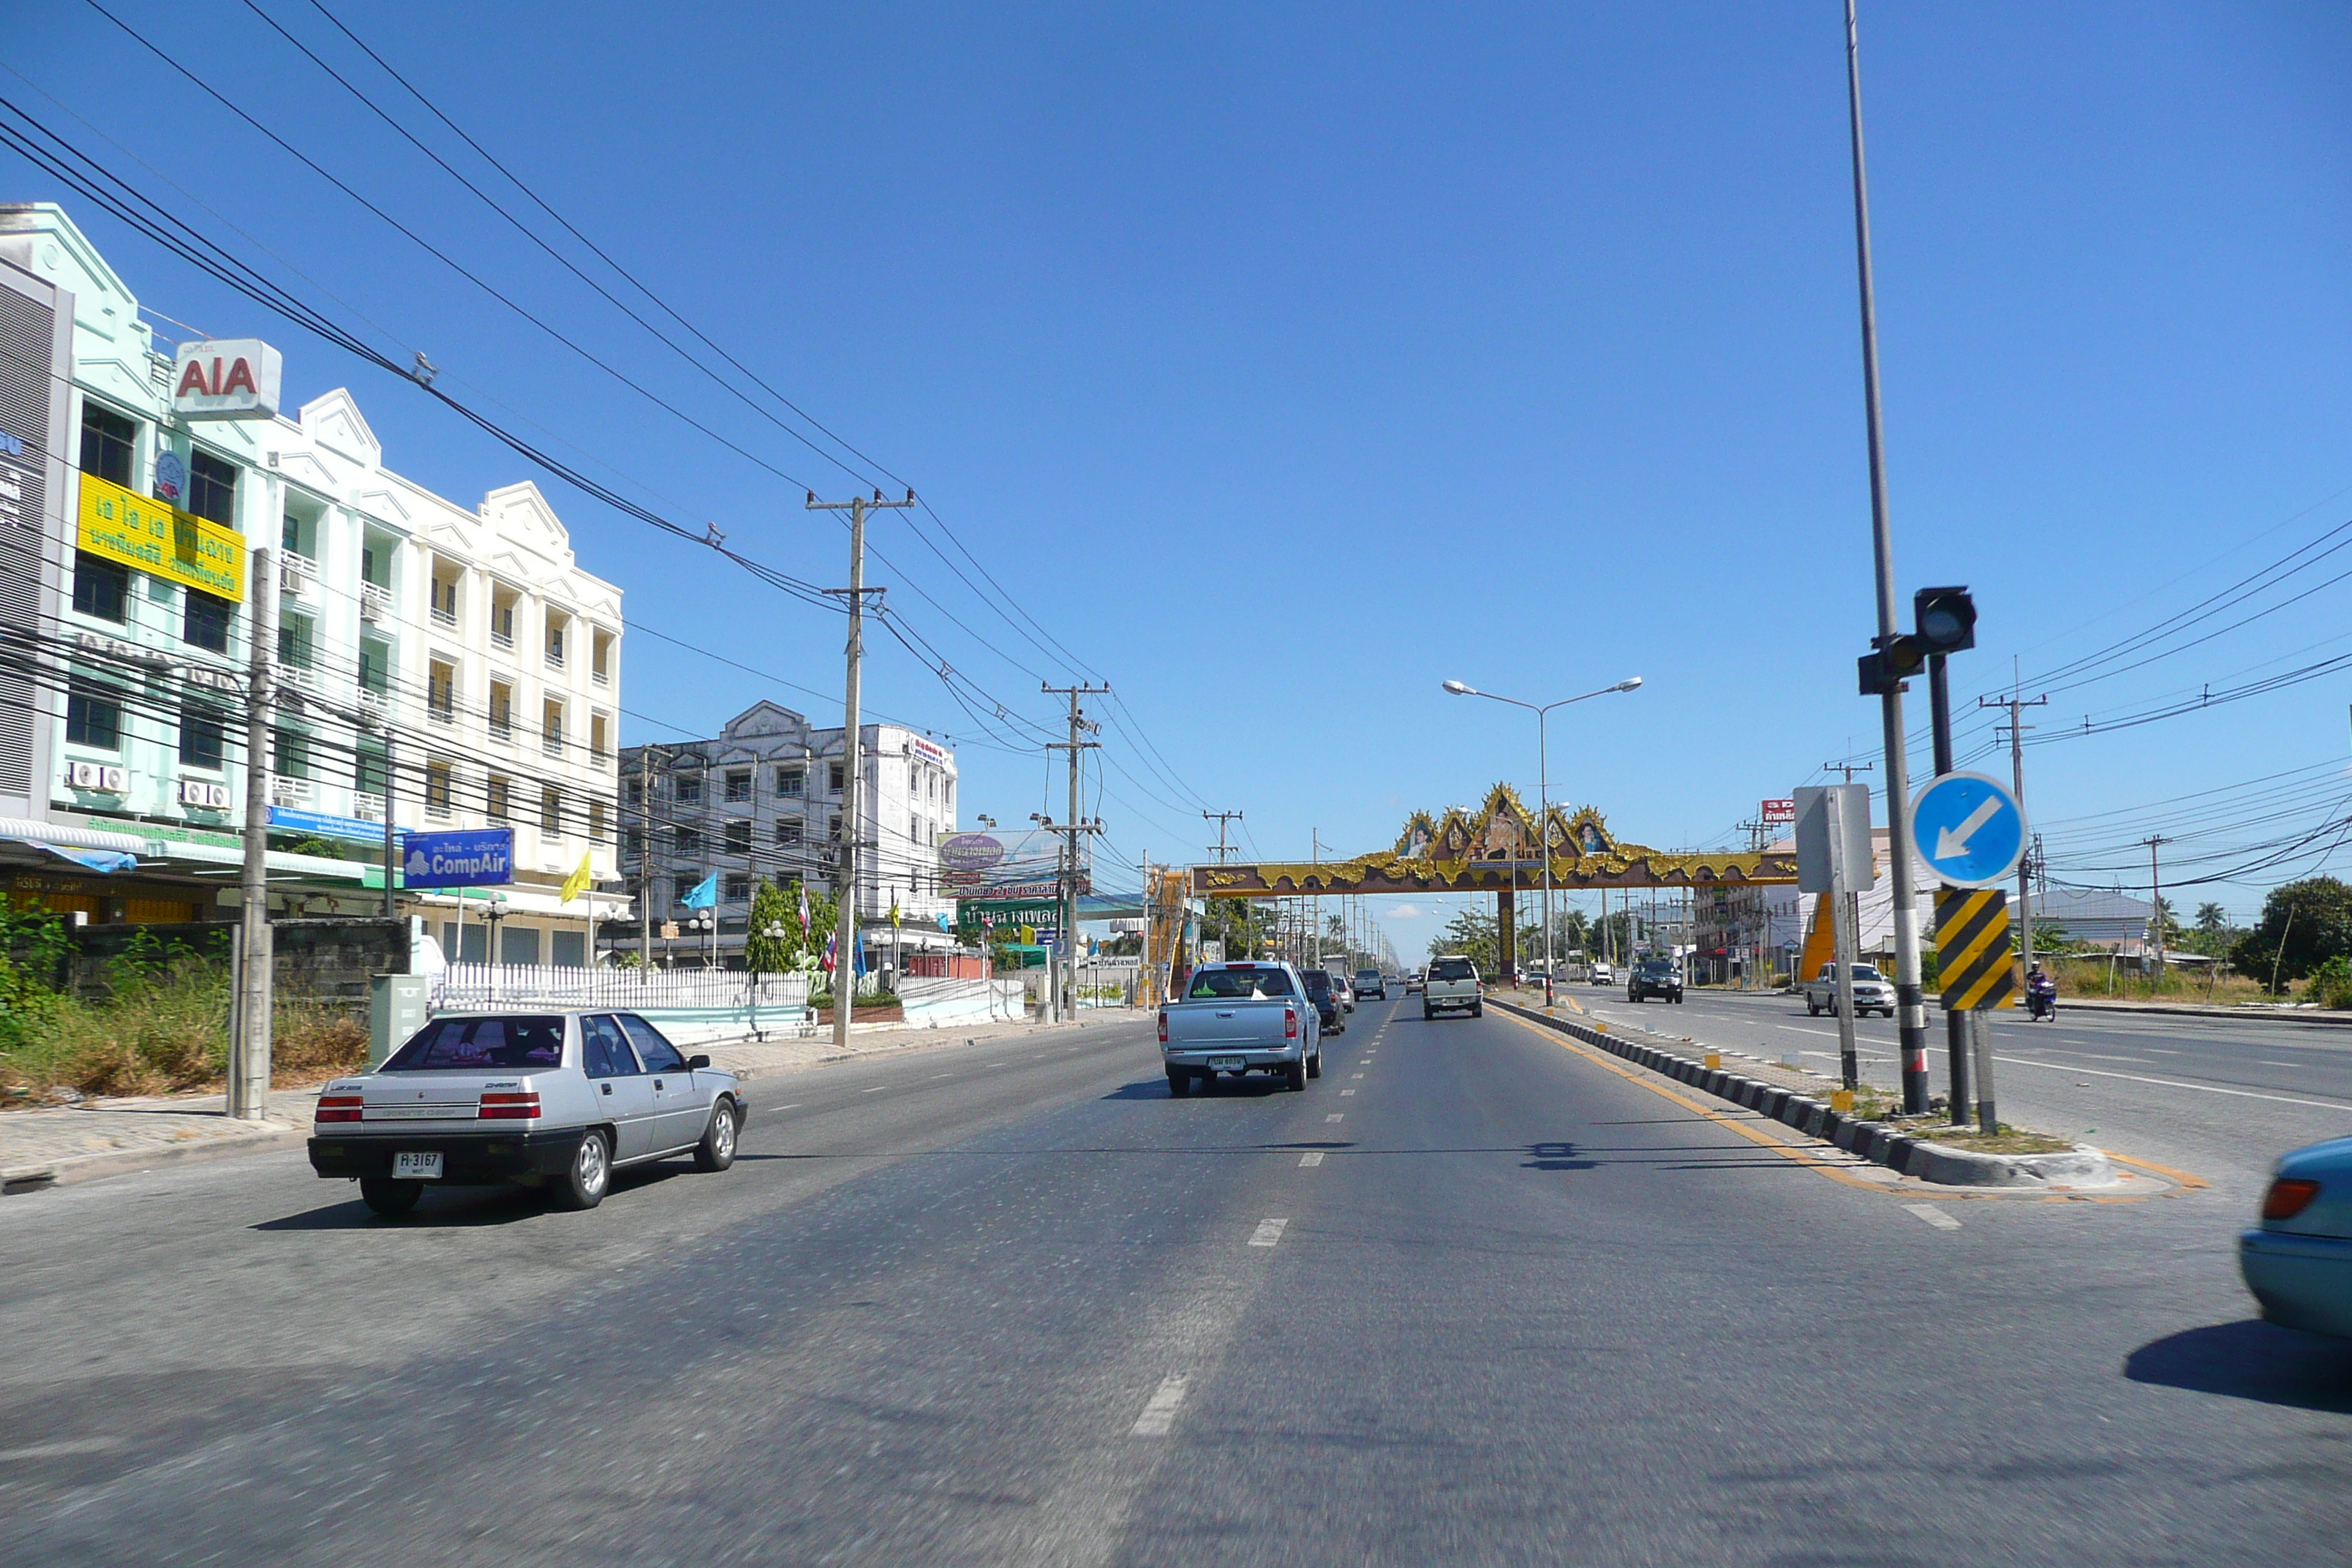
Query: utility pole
pixel 2016 727
pixel 1909 1000
pixel 647 777
pixel 1221 818
pixel 2155 904
pixel 845 946
pixel 248 1057
pixel 392 849
pixel 1315 842
pixel 1069 878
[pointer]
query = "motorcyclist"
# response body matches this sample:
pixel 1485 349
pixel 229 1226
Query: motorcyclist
pixel 2041 993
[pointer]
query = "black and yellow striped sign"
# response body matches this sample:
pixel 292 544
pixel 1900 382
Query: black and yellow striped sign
pixel 1972 958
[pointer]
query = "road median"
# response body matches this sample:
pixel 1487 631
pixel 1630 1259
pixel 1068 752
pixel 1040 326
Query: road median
pixel 1907 1152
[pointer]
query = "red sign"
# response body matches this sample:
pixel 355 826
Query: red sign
pixel 1779 811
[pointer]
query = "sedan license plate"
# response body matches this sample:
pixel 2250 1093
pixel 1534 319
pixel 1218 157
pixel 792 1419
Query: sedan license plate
pixel 1225 1064
pixel 416 1167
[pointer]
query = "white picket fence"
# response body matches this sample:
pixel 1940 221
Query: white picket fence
pixel 477 986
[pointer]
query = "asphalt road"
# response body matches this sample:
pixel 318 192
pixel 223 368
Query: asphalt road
pixel 1014 1304
pixel 2222 1097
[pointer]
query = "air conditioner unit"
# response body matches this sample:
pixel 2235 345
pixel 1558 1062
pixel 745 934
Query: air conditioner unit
pixel 288 792
pixel 368 807
pixel 98 776
pixel 375 603
pixel 203 795
pixel 295 574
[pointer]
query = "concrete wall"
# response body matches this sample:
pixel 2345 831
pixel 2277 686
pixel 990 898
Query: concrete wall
pixel 319 959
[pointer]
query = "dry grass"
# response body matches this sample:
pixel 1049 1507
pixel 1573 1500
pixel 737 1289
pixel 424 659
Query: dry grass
pixel 2008 1141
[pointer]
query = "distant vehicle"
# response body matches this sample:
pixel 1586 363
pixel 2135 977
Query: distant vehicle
pixel 1371 982
pixel 1603 975
pixel 1872 994
pixel 1345 991
pixel 553 1100
pixel 1655 977
pixel 1319 990
pixel 1412 982
pixel 2298 1260
pixel 1453 987
pixel 1241 1018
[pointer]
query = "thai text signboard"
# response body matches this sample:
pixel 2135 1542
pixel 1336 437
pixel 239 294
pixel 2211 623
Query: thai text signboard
pixel 466 857
pixel 161 540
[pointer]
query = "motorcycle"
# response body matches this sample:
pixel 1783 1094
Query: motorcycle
pixel 2041 1003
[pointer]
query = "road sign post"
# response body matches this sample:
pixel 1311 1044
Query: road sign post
pixel 1974 967
pixel 1833 860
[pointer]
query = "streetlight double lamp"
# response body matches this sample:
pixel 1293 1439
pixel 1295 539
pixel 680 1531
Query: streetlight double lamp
pixel 1543 788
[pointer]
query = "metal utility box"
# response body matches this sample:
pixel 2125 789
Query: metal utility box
pixel 397 1008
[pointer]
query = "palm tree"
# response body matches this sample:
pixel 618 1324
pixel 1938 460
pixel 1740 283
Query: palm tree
pixel 2213 918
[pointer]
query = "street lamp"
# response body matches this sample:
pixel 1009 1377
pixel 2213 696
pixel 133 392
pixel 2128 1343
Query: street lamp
pixel 1543 787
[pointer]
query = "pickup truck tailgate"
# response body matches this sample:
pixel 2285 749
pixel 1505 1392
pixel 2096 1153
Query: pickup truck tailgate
pixel 1193 1025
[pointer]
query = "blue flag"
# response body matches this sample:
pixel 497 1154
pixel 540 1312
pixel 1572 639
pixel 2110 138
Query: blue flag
pixel 705 894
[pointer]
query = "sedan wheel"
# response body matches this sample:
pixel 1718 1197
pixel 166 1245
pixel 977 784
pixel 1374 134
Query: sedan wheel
pixel 389 1198
pixel 584 1185
pixel 716 1150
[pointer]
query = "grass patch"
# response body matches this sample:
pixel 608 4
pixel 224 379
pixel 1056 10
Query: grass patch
pixel 2008 1141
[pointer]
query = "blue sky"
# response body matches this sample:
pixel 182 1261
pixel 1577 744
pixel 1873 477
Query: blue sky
pixel 1285 361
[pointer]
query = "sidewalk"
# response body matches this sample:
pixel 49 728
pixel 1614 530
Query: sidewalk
pixel 57 1145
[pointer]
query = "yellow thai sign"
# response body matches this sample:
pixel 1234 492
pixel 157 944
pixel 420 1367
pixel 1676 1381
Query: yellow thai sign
pixel 158 537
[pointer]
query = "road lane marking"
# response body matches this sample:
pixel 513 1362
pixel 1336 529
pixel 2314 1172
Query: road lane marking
pixel 1346 1092
pixel 1336 1116
pixel 61 1450
pixel 1160 1410
pixel 876 1089
pixel 1306 1160
pixel 941 1075
pixel 1933 1216
pixel 2176 1083
pixel 1267 1233
pixel 1355 1075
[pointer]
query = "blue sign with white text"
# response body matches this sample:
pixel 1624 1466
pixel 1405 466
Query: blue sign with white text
pixel 1968 828
pixel 325 824
pixel 466 858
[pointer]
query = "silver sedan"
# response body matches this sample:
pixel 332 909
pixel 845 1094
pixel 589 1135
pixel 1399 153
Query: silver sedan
pixel 553 1100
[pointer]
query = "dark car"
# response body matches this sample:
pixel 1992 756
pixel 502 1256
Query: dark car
pixel 1655 977
pixel 1316 983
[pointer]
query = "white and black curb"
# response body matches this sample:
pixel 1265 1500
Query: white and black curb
pixel 2081 1166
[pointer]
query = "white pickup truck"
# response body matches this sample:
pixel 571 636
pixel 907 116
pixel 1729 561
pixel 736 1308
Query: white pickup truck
pixel 1240 1018
pixel 1871 992
pixel 1452 986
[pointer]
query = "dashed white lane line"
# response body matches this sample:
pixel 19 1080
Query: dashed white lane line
pixel 795 1105
pixel 1336 1116
pixel 876 1089
pixel 1355 1075
pixel 61 1450
pixel 1346 1092
pixel 1306 1160
pixel 2171 1083
pixel 1933 1216
pixel 1160 1410
pixel 941 1075
pixel 1267 1233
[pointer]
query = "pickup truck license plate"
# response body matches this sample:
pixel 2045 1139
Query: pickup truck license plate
pixel 416 1167
pixel 1225 1063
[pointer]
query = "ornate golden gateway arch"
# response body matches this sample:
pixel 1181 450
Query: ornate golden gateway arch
pixel 1496 851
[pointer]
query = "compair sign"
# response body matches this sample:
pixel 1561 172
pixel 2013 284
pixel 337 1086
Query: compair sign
pixel 226 378
pixel 470 857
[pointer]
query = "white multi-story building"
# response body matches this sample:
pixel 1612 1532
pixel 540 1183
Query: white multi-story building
pixel 463 649
pixel 763 800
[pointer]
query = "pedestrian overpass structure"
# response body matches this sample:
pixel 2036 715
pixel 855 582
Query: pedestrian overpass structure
pixel 1500 848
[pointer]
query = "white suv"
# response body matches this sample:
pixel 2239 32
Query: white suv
pixel 1453 987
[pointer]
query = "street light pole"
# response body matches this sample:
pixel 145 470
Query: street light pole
pixel 1909 1000
pixel 1543 785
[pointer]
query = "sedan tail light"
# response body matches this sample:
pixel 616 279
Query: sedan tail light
pixel 506 1105
pixel 1290 1023
pixel 1163 1028
pixel 339 1108
pixel 2288 1197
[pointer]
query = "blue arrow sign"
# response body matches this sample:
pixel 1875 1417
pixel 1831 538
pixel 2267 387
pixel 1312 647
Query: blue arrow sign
pixel 1968 828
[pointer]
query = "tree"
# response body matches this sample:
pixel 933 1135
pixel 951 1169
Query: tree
pixel 764 953
pixel 2213 918
pixel 2304 924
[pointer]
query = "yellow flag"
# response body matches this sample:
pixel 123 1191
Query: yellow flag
pixel 894 913
pixel 577 883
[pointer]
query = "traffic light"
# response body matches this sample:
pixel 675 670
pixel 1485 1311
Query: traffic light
pixel 1887 667
pixel 1945 619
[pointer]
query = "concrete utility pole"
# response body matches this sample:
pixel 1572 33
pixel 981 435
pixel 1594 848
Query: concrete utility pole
pixel 844 944
pixel 1067 980
pixel 248 1057
pixel 647 777
pixel 1315 843
pixel 1909 1000
pixel 1221 818
pixel 2156 905
pixel 2016 727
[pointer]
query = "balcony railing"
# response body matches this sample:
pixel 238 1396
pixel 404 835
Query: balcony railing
pixel 375 603
pixel 444 614
pixel 552 743
pixel 555 656
pixel 444 712
pixel 600 676
pixel 296 573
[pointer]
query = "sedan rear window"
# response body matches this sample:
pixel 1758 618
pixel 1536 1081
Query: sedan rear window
pixel 1239 985
pixel 1453 969
pixel 522 1041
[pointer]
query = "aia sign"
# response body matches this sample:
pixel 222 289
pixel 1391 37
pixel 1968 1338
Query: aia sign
pixel 227 378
